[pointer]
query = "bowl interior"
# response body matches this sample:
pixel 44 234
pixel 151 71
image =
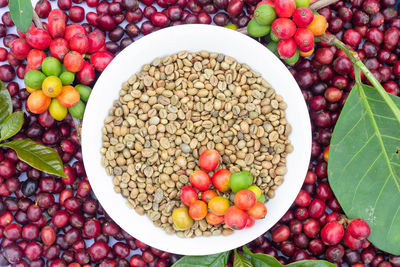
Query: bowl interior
pixel 194 38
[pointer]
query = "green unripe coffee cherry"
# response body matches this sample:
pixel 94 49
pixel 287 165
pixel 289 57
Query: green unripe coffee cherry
pixel 257 30
pixel 67 77
pixel 293 60
pixel 273 47
pixel 51 66
pixel 302 3
pixel 274 37
pixel 84 91
pixel 78 110
pixel 264 15
pixel 34 79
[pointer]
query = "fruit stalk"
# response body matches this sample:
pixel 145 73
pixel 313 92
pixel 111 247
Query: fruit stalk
pixel 359 65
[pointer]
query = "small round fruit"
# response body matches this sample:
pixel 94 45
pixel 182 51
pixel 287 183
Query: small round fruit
pixel 273 37
pixel 332 233
pixel 359 229
pixel 303 16
pixel 244 199
pixel 69 96
pixel 220 180
pixel 283 28
pixel 34 79
pixel 51 66
pixel 284 8
pixel 302 3
pixel 200 180
pixel 250 222
pixel 218 205
pixel 188 195
pixel 67 78
pixel 209 160
pixel 240 180
pixel 214 219
pixel 256 190
pixel 261 198
pixel 258 211
pixel 306 54
pixel 304 39
pixel 57 111
pixel 256 30
pixel 73 61
pixel 235 218
pixel 293 60
pixel 287 48
pixel 181 218
pixel 264 14
pixel 77 110
pixel 318 25
pixel 273 47
pixel 37 102
pixel 52 86
pixel 84 91
pixel 198 210
pixel 207 195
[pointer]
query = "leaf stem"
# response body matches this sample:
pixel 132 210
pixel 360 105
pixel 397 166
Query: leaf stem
pixel 359 65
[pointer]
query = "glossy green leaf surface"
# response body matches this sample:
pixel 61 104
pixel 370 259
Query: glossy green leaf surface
pixel 214 260
pixel 21 12
pixel 364 165
pixel 38 156
pixel 5 103
pixel 241 261
pixel 11 125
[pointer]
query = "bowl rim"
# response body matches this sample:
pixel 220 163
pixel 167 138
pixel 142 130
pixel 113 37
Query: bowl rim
pixel 87 136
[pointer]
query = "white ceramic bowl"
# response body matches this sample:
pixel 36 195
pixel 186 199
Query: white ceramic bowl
pixel 194 38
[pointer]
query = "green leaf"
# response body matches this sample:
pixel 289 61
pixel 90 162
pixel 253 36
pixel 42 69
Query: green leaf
pixel 21 12
pixel 12 124
pixel 241 261
pixel 6 106
pixel 38 156
pixel 364 165
pixel 215 260
pixel 264 260
pixel 261 260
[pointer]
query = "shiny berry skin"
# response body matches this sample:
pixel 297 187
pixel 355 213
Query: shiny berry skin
pixel 332 233
pixel 280 234
pixel 359 229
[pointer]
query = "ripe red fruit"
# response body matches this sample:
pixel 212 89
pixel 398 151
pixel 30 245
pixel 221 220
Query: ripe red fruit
pixel 73 29
pixel 303 16
pixel 59 48
pixel 245 199
pixel 303 199
pixel 220 180
pixel 304 38
pixel 38 38
pixel 283 28
pixel 73 61
pixel 285 8
pixel 20 48
pixel 96 40
pixel 209 160
pixel 332 233
pixel 359 229
pixel 48 235
pixel 352 242
pixel 56 14
pixel 188 195
pixel 35 58
pixel 101 59
pixel 200 180
pixel 79 43
pixel 86 75
pixel 56 27
pixel 352 37
pixel 287 48
pixel 280 234
pixel 235 218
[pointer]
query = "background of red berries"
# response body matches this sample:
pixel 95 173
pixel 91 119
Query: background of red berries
pixel 68 225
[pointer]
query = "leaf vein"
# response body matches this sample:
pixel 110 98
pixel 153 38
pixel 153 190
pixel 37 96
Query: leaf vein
pixel 378 134
pixel 390 137
pixel 394 217
pixel 362 178
pixel 384 117
pixel 359 151
pixel 380 193
pixel 352 128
